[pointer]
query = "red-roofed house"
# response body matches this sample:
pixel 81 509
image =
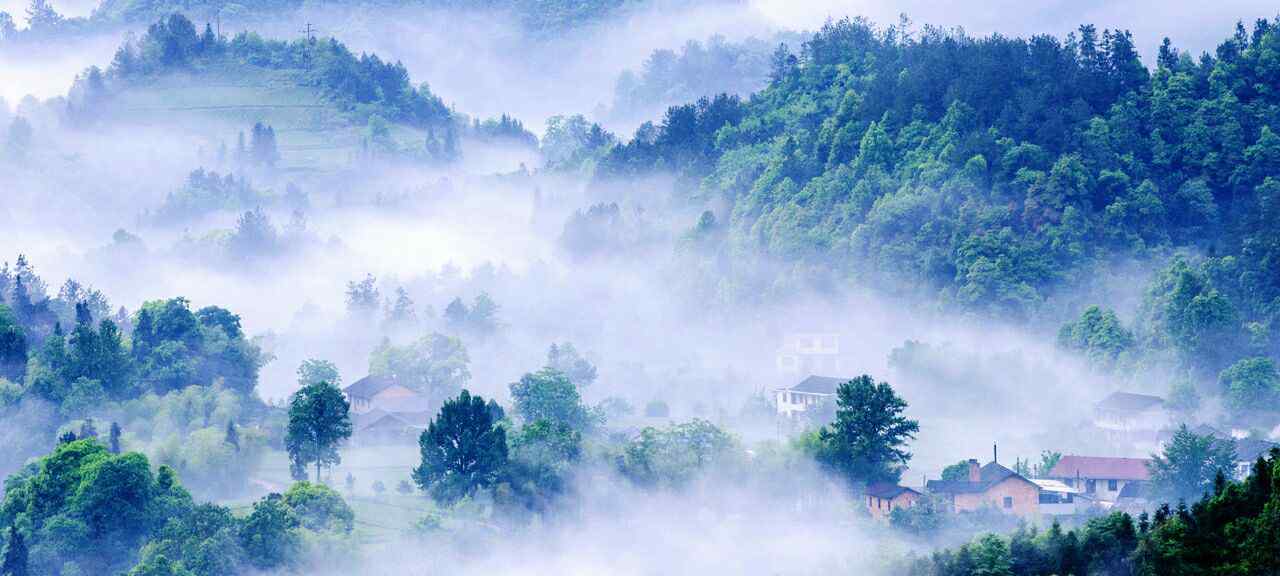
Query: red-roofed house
pixel 1098 477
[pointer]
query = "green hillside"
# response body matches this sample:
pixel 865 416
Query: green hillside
pixel 312 132
pixel 326 105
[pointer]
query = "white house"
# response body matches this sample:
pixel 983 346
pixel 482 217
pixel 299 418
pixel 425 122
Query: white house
pixel 1248 450
pixel 1128 412
pixel 810 353
pixel 806 395
pixel 1100 478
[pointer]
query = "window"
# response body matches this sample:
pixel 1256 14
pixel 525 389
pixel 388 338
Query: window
pixel 1112 485
pixel 1091 486
pixel 1008 501
pixel 1071 482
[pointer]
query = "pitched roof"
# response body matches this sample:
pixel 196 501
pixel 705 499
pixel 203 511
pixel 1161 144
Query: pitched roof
pixel 378 417
pixel 1055 486
pixel 887 491
pixel 1101 467
pixel 370 385
pixel 1129 402
pixel 990 475
pixel 819 385
pixel 363 420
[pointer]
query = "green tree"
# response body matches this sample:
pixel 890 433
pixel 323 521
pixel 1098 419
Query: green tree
pixel 549 395
pixel 566 359
pixel 541 456
pixel 232 435
pixel 319 420
pixel 672 456
pixel 1099 335
pixel 991 557
pixel 1251 384
pixel 462 450
pixel 436 365
pixel 159 566
pixel 269 535
pixel 1048 459
pixel 957 471
pixel 483 318
pixel 13 344
pixel 866 443
pixel 314 371
pixel 113 438
pixel 14 560
pixel 319 508
pixel 1188 464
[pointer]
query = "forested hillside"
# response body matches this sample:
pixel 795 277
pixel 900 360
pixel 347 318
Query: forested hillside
pixel 536 14
pixel 364 85
pixel 993 171
pixel 537 17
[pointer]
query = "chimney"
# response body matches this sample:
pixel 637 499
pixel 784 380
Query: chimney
pixel 975 472
pixel 995 452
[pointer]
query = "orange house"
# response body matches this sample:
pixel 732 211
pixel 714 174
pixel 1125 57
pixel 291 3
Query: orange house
pixel 990 486
pixel 883 498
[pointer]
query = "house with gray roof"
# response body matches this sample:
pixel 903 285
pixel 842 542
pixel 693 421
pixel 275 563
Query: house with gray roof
pixel 806 395
pixel 992 486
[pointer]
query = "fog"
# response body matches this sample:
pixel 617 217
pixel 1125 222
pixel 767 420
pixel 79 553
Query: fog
pixel 476 227
pixel 88 204
pixel 1195 27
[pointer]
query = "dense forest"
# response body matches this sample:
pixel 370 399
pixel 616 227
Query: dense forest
pixel 1004 177
pixel 1031 160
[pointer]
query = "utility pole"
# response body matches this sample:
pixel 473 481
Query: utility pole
pixel 308 40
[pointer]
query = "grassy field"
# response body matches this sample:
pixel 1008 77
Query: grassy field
pixel 218 103
pixel 379 516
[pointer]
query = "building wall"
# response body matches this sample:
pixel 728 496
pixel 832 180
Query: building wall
pixel 791 403
pixel 392 398
pixel 1025 498
pixel 1152 419
pixel 1101 487
pixel 881 507
pixel 810 353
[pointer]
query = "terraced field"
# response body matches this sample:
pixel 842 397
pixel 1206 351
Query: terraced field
pixel 216 104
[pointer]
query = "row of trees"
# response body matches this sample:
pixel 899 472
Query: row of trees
pixel 164 346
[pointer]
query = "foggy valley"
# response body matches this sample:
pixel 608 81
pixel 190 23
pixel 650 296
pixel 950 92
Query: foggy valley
pixel 418 287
